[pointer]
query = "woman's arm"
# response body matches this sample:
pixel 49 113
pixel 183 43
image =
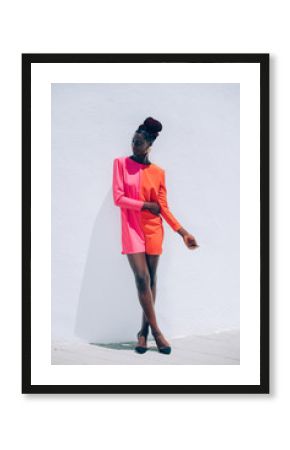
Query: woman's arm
pixel 118 190
pixel 188 238
pixel 165 212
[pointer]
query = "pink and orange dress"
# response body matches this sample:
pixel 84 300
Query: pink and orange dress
pixel 133 184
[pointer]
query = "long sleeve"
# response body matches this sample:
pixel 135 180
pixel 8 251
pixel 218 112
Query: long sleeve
pixel 165 212
pixel 118 189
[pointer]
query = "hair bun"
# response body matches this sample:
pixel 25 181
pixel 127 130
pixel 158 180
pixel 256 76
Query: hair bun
pixel 152 126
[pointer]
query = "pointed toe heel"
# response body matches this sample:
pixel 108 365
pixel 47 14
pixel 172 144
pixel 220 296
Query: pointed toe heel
pixel 165 350
pixel 139 349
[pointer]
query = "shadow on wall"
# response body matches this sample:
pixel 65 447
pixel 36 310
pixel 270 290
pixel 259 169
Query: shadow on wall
pixel 109 309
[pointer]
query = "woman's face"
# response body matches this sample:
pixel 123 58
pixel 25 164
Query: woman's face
pixel 140 146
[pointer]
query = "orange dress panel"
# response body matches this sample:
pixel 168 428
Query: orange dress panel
pixel 153 189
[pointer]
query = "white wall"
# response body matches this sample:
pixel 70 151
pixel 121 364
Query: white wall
pixel 93 289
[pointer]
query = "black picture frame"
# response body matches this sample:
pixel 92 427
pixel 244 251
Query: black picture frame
pixel 263 59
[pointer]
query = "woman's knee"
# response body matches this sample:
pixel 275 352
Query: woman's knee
pixel 142 281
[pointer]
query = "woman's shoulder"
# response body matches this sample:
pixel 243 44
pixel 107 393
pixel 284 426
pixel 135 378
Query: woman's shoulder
pixel 119 159
pixel 157 168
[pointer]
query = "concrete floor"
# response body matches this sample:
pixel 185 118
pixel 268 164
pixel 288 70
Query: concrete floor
pixel 217 348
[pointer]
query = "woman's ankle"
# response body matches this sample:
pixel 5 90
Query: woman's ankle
pixel 156 331
pixel 144 331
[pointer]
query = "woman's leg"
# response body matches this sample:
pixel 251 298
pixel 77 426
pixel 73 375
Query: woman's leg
pixel 141 272
pixel 138 263
pixel 152 263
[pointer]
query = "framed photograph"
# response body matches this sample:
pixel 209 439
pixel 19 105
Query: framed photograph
pixel 145 223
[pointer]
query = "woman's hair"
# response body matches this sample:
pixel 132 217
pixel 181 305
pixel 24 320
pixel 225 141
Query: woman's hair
pixel 150 129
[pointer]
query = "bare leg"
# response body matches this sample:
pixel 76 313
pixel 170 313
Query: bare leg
pixel 141 272
pixel 152 262
pixel 139 265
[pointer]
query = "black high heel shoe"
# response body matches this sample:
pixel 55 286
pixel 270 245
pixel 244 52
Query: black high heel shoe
pixel 166 350
pixel 139 348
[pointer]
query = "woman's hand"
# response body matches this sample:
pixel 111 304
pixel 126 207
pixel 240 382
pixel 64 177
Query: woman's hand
pixel 188 239
pixel 152 207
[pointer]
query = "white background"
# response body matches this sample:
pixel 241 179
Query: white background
pixel 203 421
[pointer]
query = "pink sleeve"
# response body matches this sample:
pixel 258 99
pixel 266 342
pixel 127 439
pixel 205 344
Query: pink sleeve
pixel 118 189
pixel 165 211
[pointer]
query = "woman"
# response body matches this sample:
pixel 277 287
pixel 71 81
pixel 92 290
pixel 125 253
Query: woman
pixel 139 190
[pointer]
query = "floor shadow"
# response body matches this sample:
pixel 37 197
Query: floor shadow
pixel 130 345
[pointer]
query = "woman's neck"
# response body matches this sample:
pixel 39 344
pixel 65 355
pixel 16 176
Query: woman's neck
pixel 142 160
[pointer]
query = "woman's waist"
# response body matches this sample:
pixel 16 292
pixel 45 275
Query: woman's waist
pixel 148 216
